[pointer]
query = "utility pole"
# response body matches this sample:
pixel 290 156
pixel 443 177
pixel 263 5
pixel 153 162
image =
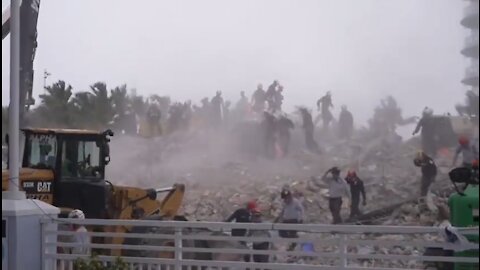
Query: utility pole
pixel 14 108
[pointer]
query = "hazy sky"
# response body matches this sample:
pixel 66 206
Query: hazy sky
pixel 359 50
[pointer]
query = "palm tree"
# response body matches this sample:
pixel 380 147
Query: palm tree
pixel 120 100
pixel 102 110
pixel 84 109
pixel 56 106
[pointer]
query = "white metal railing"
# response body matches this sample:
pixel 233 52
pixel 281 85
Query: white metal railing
pixel 187 245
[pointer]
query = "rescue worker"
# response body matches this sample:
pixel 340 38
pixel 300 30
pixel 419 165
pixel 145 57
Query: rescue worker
pixel 469 152
pixel 278 99
pixel 258 99
pixel 269 139
pixel 264 245
pixel 356 189
pixel 217 109
pixel 242 215
pixel 323 105
pixel 429 144
pixel 242 106
pixel 429 171
pixel 345 123
pixel 292 213
pixel 80 236
pixel 337 188
pixel 270 95
pixel 284 125
pixel 309 128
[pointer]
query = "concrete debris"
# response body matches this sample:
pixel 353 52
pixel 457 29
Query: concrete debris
pixel 220 180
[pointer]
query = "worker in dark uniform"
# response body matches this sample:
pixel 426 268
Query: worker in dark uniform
pixel 429 171
pixel 270 95
pixel 309 128
pixel 269 124
pixel 356 189
pixel 345 124
pixel 258 99
pixel 217 106
pixel 323 105
pixel 243 215
pixel 284 125
pixel 429 144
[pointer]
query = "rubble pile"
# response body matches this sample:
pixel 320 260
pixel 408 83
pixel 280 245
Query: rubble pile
pixel 219 180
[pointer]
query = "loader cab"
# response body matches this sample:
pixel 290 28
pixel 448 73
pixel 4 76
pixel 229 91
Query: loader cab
pixel 77 159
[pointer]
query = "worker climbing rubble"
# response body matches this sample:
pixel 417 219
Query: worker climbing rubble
pixel 242 107
pixel 217 106
pixel 309 129
pixel 356 189
pixel 345 124
pixel 337 188
pixel 270 95
pixel 323 105
pixel 468 151
pixel 258 99
pixel 284 125
pixel 429 171
pixel 429 145
pixel 278 99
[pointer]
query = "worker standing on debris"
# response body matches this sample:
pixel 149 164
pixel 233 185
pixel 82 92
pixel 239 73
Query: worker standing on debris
pixel 429 143
pixel 270 95
pixel 356 189
pixel 429 171
pixel 292 213
pixel 469 152
pixel 345 124
pixel 258 99
pixel 337 188
pixel 243 215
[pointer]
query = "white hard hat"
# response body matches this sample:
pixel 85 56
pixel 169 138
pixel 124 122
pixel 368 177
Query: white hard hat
pixel 76 214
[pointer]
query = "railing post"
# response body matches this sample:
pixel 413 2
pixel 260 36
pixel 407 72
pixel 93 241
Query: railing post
pixel 178 249
pixel 342 249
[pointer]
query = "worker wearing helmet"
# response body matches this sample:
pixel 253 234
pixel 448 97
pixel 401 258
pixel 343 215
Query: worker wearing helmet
pixel 356 189
pixel 243 215
pixel 292 213
pixel 469 152
pixel 429 171
pixel 81 234
pixel 337 188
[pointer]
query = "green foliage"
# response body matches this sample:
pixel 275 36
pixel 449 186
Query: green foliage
pixel 93 109
pixel 94 264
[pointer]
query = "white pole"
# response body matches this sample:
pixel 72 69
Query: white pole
pixel 14 108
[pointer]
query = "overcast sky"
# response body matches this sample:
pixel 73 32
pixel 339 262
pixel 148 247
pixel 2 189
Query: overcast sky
pixel 359 50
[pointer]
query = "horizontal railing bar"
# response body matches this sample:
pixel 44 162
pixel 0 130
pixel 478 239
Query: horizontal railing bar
pixel 186 262
pixel 317 228
pixel 116 235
